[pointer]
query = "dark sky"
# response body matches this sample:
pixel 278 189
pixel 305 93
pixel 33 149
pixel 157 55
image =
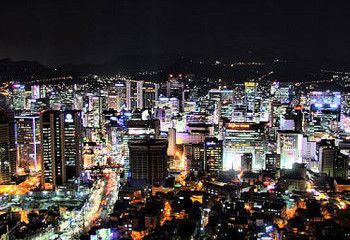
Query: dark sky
pixel 78 31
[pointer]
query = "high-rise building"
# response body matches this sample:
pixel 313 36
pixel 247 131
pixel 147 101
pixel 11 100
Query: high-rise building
pixel 150 93
pixel 28 142
pixel 194 156
pixel 148 160
pixel 7 147
pixel 175 89
pixel 282 92
pixel 272 161
pixel 247 162
pixel 325 108
pixel 138 130
pixel 61 146
pixel 332 162
pixel 240 138
pixel 289 146
pixel 213 155
pixel 251 101
pixel 18 97
pixel 134 92
pixel 172 141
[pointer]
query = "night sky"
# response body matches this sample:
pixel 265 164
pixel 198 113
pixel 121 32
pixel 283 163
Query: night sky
pixel 95 31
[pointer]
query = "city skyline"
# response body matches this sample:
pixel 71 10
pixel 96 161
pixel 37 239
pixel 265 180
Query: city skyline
pixel 174 120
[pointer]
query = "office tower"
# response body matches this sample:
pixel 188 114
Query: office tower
pixel 167 108
pixel 7 147
pixel 289 146
pixel 28 142
pixel 251 103
pixel 138 130
pixel 272 161
pixel 150 92
pixel 286 124
pixel 175 89
pixel 97 104
pixel 35 90
pixel 78 103
pixel 309 154
pixel 61 146
pixel 18 97
pixel 148 160
pixel 213 155
pixel 134 90
pixel 247 162
pixel 265 110
pixel 282 92
pixel 189 107
pixel 119 90
pixel 341 166
pixel 199 123
pixel 332 162
pixel 240 138
pixel 194 156
pixel 172 141
pixel 325 114
pixel 224 100
pixel 298 116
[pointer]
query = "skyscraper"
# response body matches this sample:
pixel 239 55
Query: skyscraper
pixel 289 146
pixel 28 142
pixel 148 160
pixel 7 146
pixel 61 146
pixel 213 153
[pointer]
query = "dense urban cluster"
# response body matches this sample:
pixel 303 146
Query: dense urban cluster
pixel 184 158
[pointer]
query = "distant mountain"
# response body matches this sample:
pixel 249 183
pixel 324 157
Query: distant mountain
pixel 22 70
pixel 157 68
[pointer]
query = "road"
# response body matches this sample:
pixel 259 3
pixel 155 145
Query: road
pixel 97 208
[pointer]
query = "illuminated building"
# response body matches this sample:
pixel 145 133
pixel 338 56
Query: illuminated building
pixel 97 104
pixel 35 90
pixel 148 160
pixel 167 108
pixel 190 107
pixel 332 162
pixel 78 103
pixel 247 162
pixel 265 110
pixel 118 90
pixel 251 101
pixel 61 146
pixel 175 89
pixel 7 147
pixel 325 114
pixel 213 155
pixel 171 141
pixel 289 146
pixel 240 138
pixel 194 155
pixel 138 130
pixel 150 93
pixel 287 124
pixel 134 92
pixel 309 154
pixel 272 161
pixel 28 142
pixel 224 100
pixel 18 97
pixel 38 105
pixel 282 92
